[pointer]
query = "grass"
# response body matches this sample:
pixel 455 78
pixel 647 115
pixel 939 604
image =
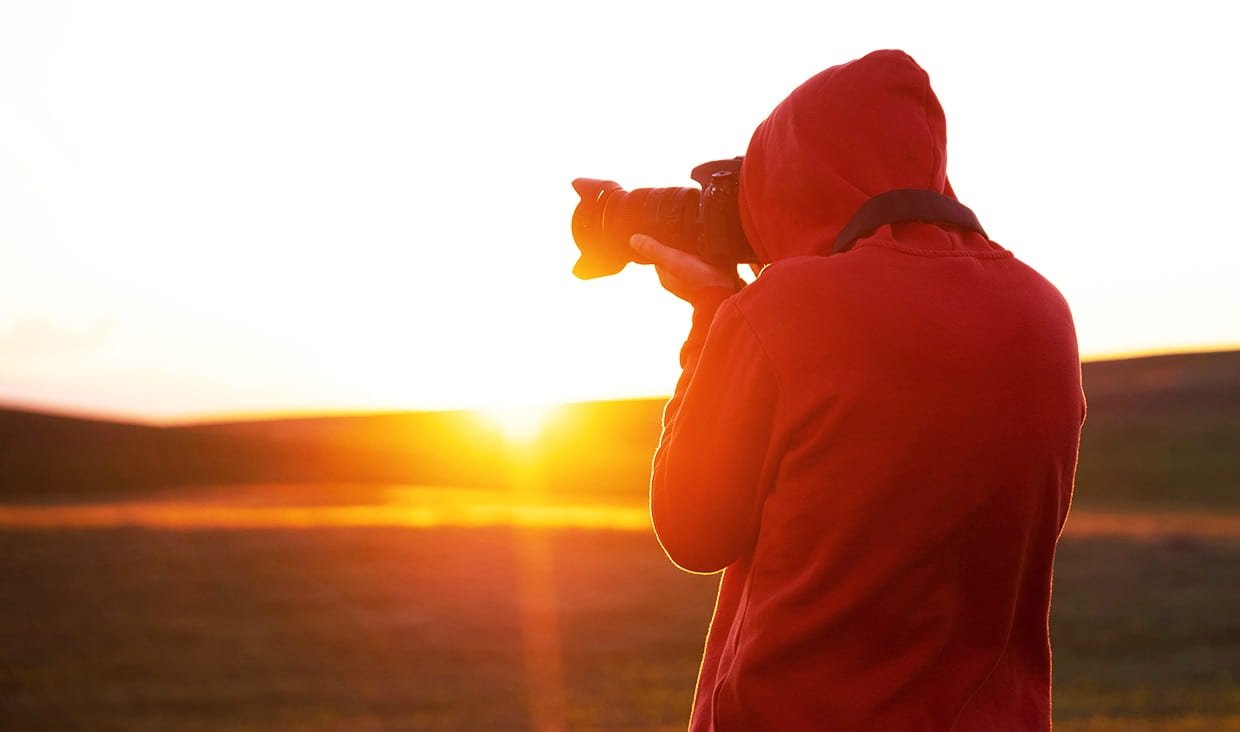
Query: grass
pixel 1161 433
pixel 332 629
pixel 1147 630
pixel 421 629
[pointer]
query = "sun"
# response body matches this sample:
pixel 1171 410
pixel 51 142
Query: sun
pixel 521 424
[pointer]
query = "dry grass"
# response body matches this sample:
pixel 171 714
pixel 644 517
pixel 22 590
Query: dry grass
pixel 1186 723
pixel 333 629
pixel 421 629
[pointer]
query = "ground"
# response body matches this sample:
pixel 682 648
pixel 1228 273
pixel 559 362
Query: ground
pixel 371 628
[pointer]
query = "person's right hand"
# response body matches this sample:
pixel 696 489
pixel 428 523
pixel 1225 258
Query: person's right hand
pixel 681 273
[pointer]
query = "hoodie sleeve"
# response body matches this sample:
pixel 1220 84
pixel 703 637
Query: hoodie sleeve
pixel 716 458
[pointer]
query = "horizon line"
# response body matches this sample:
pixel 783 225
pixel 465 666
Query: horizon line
pixel 265 415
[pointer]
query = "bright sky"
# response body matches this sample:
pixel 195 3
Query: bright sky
pixel 224 207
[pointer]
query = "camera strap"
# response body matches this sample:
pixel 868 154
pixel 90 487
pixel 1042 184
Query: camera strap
pixel 905 204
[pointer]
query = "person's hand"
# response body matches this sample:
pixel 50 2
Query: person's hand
pixel 682 274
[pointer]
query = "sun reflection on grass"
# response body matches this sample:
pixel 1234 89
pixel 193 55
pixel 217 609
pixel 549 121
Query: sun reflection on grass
pixel 412 506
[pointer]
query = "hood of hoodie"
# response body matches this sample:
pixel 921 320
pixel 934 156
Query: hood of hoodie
pixel 844 136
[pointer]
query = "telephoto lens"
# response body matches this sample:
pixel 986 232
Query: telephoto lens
pixel 704 221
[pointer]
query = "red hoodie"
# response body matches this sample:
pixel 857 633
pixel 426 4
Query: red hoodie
pixel 878 445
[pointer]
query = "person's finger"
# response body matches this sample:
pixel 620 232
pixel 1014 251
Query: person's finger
pixel 638 243
pixel 657 253
pixel 645 248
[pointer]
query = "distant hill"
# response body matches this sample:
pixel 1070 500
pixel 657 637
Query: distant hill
pixel 1162 431
pixel 600 445
pixel 43 454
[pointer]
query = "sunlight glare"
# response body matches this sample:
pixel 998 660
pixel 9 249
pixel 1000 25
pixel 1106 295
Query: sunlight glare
pixel 522 424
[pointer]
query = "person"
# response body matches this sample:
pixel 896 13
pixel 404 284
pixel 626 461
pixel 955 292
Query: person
pixel 875 440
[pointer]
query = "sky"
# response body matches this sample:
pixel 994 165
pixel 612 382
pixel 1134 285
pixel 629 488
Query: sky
pixel 256 207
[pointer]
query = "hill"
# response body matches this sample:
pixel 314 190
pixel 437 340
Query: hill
pixel 598 445
pixel 1162 431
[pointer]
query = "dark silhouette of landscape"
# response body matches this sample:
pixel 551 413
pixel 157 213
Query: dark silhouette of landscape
pixel 600 445
pixel 1161 431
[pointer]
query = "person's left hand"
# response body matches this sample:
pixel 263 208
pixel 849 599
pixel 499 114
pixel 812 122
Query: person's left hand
pixel 681 273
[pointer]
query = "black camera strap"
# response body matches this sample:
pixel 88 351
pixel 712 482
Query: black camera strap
pixel 905 204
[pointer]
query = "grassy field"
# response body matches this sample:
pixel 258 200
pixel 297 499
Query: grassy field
pixel 340 629
pixel 422 629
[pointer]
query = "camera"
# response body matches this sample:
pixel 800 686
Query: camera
pixel 703 221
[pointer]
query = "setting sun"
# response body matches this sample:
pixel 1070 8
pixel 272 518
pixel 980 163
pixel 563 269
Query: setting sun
pixel 519 424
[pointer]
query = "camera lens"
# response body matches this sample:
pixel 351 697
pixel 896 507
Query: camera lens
pixel 608 215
